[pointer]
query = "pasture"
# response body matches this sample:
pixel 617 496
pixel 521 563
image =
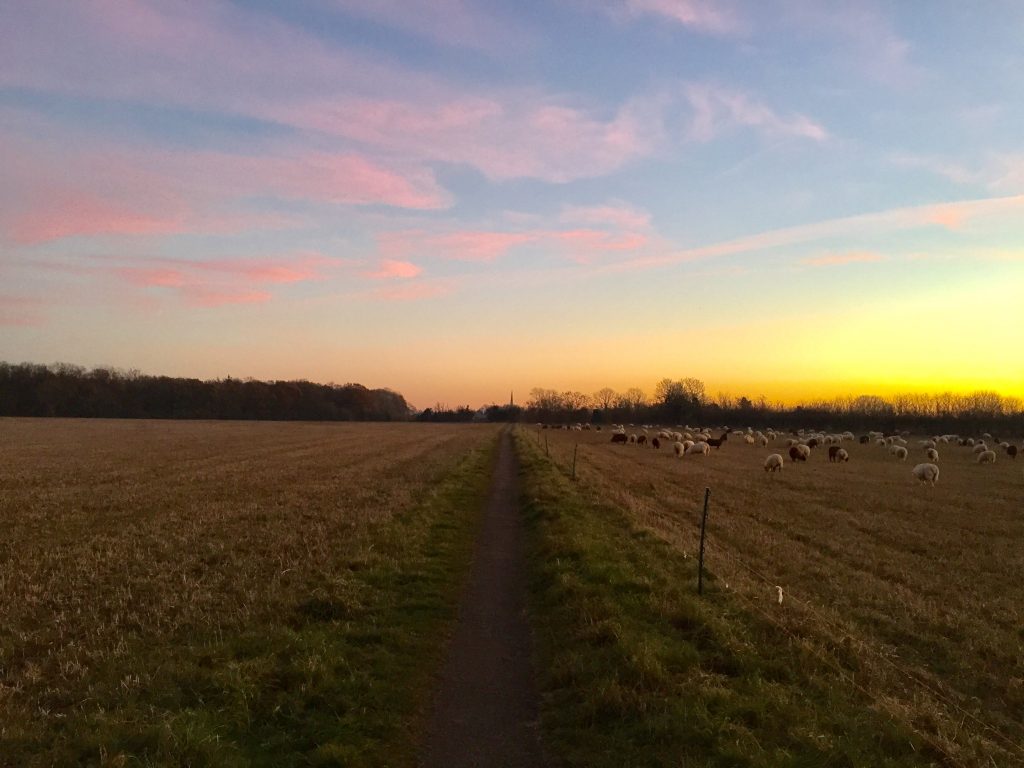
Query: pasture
pixel 898 599
pixel 228 593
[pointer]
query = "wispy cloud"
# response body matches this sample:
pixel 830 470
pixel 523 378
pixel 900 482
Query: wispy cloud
pixel 717 109
pixel 392 268
pixel 52 192
pixel 879 223
pixel 704 16
pixel 836 259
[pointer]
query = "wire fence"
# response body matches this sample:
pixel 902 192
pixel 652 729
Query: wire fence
pixel 573 461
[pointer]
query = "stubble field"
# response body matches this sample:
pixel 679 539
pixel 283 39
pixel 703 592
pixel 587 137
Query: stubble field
pixel 227 593
pixel 906 596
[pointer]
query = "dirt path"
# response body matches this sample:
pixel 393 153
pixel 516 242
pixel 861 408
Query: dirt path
pixel 485 713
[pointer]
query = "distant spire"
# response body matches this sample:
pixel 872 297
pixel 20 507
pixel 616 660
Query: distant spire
pixel 511 398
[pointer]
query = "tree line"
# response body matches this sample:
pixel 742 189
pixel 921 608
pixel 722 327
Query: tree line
pixel 69 390
pixel 686 401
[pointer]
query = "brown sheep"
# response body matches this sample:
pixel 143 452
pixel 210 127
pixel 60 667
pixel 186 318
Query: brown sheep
pixel 1012 452
pixel 796 454
pixel 619 437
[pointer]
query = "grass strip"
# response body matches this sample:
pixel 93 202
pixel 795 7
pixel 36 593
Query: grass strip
pixel 636 670
pixel 341 679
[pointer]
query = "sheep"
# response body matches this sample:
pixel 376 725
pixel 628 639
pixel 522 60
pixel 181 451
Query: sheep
pixel 864 439
pixel 773 463
pixel 881 443
pixel 632 438
pixel 799 452
pixel 837 454
pixel 931 454
pixel 987 457
pixel 716 443
pixel 655 443
pixel 679 449
pixel 926 473
pixel 980 448
pixel 899 452
pixel 1012 452
pixel 641 440
pixel 699 447
pixel 619 437
pixel 927 443
pixel 748 439
pixel 762 441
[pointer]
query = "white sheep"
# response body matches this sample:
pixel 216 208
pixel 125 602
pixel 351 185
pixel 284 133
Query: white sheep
pixel 748 439
pixel 842 455
pixel 931 454
pixel 773 463
pixel 980 448
pixel 987 457
pixel 899 452
pixel 762 441
pixel 699 447
pixel 679 448
pixel 927 443
pixel 926 473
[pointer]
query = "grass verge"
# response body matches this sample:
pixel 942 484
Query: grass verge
pixel 339 678
pixel 636 670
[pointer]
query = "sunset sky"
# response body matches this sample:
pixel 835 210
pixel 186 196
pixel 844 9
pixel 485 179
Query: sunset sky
pixel 459 198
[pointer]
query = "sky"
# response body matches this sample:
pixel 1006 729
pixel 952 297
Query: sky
pixel 460 199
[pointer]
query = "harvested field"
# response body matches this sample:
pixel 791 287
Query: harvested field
pixel 907 595
pixel 227 593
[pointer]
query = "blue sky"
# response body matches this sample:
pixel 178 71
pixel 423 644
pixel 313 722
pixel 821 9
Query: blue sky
pixel 458 198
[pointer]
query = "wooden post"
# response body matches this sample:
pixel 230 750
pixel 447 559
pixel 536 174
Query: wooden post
pixel 700 560
pixel 574 452
pixel 546 451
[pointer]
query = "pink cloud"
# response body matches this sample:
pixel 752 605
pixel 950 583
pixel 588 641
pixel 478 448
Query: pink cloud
pixel 55 189
pixel 850 257
pixel 390 268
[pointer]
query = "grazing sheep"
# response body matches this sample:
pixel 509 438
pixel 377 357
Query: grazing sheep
pixel 763 441
pixel 717 442
pixel 632 438
pixel 987 457
pixel 837 454
pixel 927 443
pixel 619 437
pixel 655 443
pixel 699 447
pixel 679 449
pixel 641 440
pixel 926 473
pixel 748 439
pixel 799 452
pixel 980 448
pixel 773 463
pixel 864 439
pixel 931 454
pixel 1012 452
pixel 899 452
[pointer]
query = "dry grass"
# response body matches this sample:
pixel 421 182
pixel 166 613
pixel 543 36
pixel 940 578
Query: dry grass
pixel 911 595
pixel 153 568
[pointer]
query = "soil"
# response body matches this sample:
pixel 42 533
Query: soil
pixel 486 709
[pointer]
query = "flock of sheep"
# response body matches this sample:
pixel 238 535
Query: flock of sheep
pixel 692 441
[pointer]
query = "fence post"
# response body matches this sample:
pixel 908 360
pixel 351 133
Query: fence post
pixel 700 560
pixel 574 452
pixel 546 452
